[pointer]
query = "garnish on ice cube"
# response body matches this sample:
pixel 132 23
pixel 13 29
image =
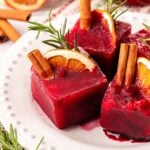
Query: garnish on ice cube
pixel 71 60
pixel 40 64
pixel 113 7
pixel 75 92
pixel 126 64
pixel 76 89
pixel 143 76
pixel 57 39
pixel 60 58
pixel 89 28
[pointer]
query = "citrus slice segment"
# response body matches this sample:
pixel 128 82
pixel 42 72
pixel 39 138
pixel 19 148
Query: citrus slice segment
pixel 29 5
pixel 143 75
pixel 108 22
pixel 70 59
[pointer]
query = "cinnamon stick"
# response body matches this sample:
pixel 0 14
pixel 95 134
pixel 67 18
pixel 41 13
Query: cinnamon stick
pixel 121 69
pixel 9 30
pixel 131 64
pixel 126 64
pixel 3 36
pixel 85 14
pixel 15 14
pixel 41 64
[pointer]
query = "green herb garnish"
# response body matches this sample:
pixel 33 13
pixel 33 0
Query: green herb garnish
pixel 57 37
pixel 113 6
pixel 9 140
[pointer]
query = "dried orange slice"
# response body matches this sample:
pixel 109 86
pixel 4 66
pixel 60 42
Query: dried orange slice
pixel 71 59
pixel 29 5
pixel 143 75
pixel 108 20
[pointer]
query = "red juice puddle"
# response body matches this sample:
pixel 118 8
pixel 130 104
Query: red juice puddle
pixel 120 138
pixel 115 137
pixel 134 141
pixel 88 126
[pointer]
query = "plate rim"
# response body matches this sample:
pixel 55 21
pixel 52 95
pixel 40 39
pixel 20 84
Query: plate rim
pixel 83 145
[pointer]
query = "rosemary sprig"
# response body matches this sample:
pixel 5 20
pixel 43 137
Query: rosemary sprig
pixel 9 140
pixel 113 6
pixel 57 37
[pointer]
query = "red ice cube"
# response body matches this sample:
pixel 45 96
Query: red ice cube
pixel 125 111
pixel 71 98
pixel 98 42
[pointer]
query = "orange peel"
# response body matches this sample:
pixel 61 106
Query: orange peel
pixel 70 59
pixel 143 75
pixel 28 5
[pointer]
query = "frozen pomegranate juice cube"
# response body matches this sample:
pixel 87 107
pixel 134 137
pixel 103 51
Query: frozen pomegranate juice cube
pixel 97 42
pixel 70 99
pixel 126 111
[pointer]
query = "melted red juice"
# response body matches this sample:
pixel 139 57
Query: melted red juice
pixel 90 125
pixel 115 137
pixel 70 98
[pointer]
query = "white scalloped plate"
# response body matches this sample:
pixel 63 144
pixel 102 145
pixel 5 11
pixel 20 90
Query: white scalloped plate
pixel 17 106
